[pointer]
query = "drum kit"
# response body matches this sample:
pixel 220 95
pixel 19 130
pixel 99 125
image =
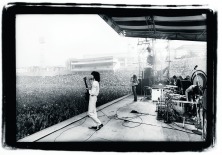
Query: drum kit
pixel 173 106
pixel 164 106
pixel 176 107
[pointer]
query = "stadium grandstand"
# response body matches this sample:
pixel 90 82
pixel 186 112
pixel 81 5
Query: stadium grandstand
pixel 103 62
pixel 99 63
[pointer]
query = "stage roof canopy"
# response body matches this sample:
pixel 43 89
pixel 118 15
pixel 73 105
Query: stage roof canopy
pixel 176 27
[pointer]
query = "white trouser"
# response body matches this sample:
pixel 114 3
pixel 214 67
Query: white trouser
pixel 92 109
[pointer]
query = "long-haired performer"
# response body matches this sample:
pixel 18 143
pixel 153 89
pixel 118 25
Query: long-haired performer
pixel 94 92
pixel 134 83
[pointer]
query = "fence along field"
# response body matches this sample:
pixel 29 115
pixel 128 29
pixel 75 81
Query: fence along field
pixel 44 101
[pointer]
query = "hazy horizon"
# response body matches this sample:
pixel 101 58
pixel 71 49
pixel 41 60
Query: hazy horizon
pixel 50 40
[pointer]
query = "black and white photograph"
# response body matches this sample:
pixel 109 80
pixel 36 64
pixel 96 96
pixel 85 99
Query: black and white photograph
pixel 111 75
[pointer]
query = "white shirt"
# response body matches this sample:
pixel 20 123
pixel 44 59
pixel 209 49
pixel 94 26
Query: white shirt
pixel 95 88
pixel 133 83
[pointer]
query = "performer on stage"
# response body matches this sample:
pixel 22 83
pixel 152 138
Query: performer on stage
pixel 177 82
pixel 174 80
pixel 192 91
pixel 134 83
pixel 94 92
pixel 187 78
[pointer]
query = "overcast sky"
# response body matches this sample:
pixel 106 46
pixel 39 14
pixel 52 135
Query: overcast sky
pixel 49 40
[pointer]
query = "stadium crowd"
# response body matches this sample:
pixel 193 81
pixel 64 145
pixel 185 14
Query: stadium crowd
pixel 44 101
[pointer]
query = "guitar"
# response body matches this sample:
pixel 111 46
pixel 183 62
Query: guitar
pixel 87 91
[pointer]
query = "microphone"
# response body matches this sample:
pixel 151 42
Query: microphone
pixel 195 67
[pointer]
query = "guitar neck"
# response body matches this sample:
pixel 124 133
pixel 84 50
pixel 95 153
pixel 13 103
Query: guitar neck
pixel 85 83
pixel 87 91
